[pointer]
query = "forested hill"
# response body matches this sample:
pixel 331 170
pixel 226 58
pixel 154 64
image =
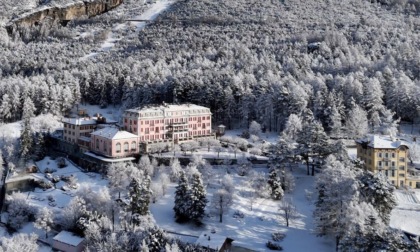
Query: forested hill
pixel 345 61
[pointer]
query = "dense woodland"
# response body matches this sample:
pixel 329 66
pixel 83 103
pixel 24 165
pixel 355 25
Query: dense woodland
pixel 246 60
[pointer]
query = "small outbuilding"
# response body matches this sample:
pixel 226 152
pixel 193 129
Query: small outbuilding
pixel 68 242
pixel 214 242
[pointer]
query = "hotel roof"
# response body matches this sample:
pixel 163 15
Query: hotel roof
pixel 170 108
pixel 382 142
pixel 113 133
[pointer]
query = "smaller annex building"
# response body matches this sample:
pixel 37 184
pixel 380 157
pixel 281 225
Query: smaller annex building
pixel 113 142
pixel 214 242
pixel 68 242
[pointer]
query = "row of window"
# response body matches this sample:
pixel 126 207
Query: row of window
pixel 162 136
pixel 173 120
pixel 118 146
pixel 68 126
pixel 386 154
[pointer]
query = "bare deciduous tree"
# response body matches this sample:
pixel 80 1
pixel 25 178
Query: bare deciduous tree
pixel 288 210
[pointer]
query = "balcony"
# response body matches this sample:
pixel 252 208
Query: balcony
pixel 177 124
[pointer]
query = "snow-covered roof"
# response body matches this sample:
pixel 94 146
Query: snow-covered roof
pixel 113 133
pixel 68 238
pixel 212 241
pixel 80 121
pixel 163 108
pixel 382 142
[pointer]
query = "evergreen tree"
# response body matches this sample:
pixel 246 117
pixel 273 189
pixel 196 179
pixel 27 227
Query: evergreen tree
pixel 39 148
pixel 275 184
pixel 26 139
pixel 145 195
pixel 357 122
pixel 376 190
pixel 139 193
pixel 197 198
pixel 182 199
pixel 312 142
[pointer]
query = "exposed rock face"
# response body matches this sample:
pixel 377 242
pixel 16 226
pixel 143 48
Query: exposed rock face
pixel 65 13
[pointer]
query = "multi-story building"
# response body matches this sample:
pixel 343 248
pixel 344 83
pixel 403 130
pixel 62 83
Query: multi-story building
pixel 170 122
pixel 388 156
pixel 78 130
pixel 142 127
pixel 115 143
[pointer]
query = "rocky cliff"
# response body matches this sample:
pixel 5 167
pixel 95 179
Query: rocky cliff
pixel 62 14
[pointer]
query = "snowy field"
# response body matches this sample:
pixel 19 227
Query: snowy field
pixel 255 229
pixel 406 215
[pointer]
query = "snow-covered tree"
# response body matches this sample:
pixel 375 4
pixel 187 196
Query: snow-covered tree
pixel 19 242
pixel 26 139
pixel 357 123
pixel 275 185
pixel 189 146
pixel 243 166
pixel 293 127
pixel 139 195
pixel 164 182
pixel 312 142
pixel 145 165
pixel 337 187
pixel 209 142
pixel 198 199
pixel 376 190
pixel 255 128
pixel 44 220
pixel 288 210
pixel 72 213
pixel 175 169
pixel 182 199
pixel 19 209
pixel 221 202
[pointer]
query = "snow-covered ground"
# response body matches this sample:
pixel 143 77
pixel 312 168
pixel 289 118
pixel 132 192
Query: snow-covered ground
pixel 255 229
pixel 40 198
pixel 149 15
pixel 406 215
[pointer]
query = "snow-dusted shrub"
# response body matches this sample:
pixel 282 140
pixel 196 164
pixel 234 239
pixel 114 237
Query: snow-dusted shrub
pixel 227 183
pixel 245 134
pixel 273 246
pixel 255 151
pixel 244 166
pixel 254 138
pixel 278 236
pixel 61 162
pixel 238 215
pixel 255 128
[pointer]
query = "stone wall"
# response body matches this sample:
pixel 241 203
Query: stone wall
pixel 62 14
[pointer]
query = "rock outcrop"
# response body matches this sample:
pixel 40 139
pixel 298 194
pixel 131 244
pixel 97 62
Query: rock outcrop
pixel 62 14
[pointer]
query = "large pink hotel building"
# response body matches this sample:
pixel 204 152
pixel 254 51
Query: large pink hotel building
pixel 141 127
pixel 168 122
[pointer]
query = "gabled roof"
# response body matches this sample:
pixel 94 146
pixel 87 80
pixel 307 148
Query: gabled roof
pixel 113 133
pixel 80 121
pixel 382 142
pixel 68 238
pixel 212 241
